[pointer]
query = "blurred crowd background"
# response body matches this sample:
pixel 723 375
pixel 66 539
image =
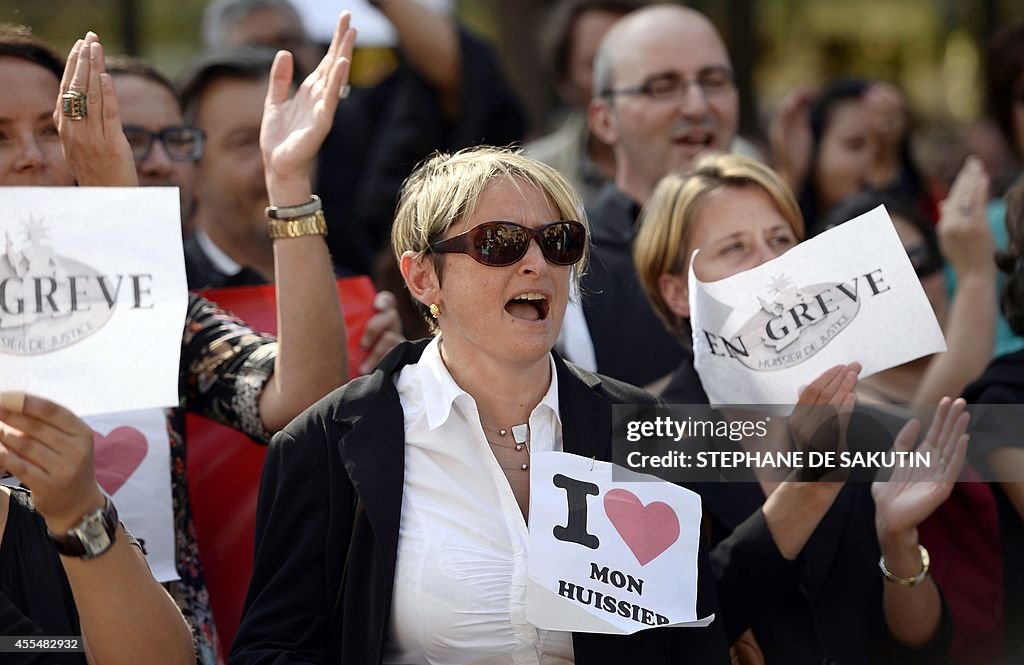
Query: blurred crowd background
pixel 931 49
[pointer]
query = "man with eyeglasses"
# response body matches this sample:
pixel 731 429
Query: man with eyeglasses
pixel 663 94
pixel 222 95
pixel 165 148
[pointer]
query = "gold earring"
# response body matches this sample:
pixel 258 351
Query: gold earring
pixel 435 311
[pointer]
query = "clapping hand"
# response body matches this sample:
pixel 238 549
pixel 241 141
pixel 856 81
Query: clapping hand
pixel 912 493
pixel 822 413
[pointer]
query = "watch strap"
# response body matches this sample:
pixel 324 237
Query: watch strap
pixel 310 225
pixel 93 527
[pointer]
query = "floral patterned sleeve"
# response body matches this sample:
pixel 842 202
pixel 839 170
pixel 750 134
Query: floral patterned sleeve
pixel 224 366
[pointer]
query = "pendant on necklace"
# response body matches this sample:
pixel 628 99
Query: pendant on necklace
pixel 520 433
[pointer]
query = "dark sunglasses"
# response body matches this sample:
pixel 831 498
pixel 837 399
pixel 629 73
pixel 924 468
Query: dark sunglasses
pixel 183 144
pixel 925 261
pixel 504 243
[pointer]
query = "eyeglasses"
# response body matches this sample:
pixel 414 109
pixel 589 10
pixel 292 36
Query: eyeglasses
pixel 504 243
pixel 665 87
pixel 925 261
pixel 183 144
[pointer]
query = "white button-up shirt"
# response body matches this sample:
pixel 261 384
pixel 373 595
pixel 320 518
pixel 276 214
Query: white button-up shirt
pixel 460 580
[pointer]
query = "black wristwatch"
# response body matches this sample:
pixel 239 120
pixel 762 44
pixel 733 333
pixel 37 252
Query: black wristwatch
pixel 93 536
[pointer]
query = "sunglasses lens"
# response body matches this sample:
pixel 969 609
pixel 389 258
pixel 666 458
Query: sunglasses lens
pixel 499 243
pixel 563 242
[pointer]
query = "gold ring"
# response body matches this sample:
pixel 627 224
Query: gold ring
pixel 73 105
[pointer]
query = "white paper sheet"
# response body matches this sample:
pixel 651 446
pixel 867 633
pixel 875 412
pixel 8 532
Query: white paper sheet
pixel 92 295
pixel 132 461
pixel 633 550
pixel 849 294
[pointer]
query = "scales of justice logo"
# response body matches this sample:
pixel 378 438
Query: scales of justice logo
pixel 49 301
pixel 794 323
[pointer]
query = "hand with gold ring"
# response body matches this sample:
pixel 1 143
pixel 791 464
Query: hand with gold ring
pixel 88 120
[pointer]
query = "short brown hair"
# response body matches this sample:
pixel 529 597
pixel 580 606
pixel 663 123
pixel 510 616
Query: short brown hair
pixel 127 65
pixel 17 41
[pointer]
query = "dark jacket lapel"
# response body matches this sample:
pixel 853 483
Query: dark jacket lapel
pixel 586 416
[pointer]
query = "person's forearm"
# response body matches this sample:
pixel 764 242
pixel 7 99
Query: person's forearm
pixel 794 510
pixel 970 337
pixel 912 613
pixel 312 355
pixel 429 41
pixel 126 617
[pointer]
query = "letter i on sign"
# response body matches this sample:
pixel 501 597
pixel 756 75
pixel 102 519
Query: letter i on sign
pixel 576 493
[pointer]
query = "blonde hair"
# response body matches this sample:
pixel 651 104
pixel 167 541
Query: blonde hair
pixel 666 222
pixel 445 188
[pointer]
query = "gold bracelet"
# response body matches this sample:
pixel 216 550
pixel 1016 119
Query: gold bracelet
pixel 309 225
pixel 908 581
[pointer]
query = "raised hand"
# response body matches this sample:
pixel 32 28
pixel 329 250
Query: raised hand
pixel 912 494
pixel 790 137
pixel 50 449
pixel 888 108
pixel 295 126
pixel 94 145
pixel 383 331
pixel 964 235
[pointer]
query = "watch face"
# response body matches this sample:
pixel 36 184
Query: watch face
pixel 93 534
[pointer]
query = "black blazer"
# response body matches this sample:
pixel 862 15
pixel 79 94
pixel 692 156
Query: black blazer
pixel 327 524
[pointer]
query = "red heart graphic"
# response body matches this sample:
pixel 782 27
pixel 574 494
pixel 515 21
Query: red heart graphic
pixel 647 530
pixel 117 455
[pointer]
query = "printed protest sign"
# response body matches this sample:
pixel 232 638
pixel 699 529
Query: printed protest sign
pixel 609 557
pixel 849 294
pixel 92 295
pixel 132 461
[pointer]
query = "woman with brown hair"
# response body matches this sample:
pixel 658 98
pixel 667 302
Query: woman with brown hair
pixel 797 563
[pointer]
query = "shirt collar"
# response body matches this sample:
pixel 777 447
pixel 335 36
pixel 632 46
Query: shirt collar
pixel 218 258
pixel 440 391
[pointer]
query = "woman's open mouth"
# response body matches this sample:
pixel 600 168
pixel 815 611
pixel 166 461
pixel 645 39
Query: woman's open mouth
pixel 529 306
